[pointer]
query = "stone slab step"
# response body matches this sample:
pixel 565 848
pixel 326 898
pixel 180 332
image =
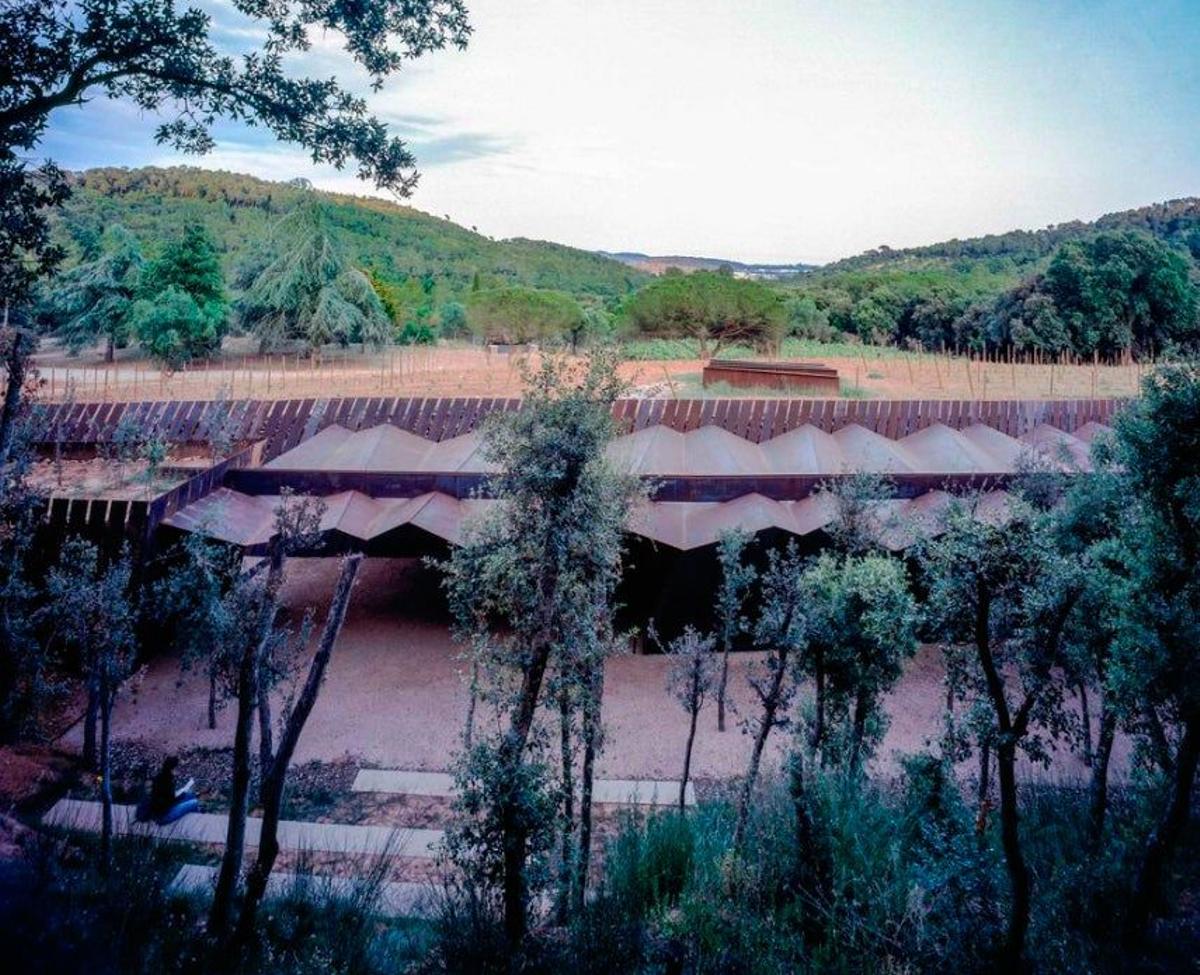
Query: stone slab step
pixel 645 792
pixel 85 815
pixel 396 898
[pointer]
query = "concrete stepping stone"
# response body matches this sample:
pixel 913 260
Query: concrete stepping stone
pixel 86 815
pixel 396 898
pixel 644 792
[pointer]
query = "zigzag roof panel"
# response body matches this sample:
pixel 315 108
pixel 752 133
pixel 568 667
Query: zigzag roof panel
pixel 805 450
pixel 654 450
pixel 751 512
pixel 313 451
pixel 937 449
pixel 865 450
pixel 1059 448
pixel 462 453
pixel 897 523
pixel 228 516
pixel 1004 450
pixel 711 450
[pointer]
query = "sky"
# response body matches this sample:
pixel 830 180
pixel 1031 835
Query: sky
pixel 756 130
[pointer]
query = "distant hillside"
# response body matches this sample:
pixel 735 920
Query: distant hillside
pixel 397 241
pixel 652 264
pixel 1175 221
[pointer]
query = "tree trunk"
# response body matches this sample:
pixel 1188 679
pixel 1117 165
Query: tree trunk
pixel 592 712
pixel 106 825
pixel 472 701
pixel 723 685
pixel 1014 858
pixel 110 348
pixel 1085 714
pixel 566 867
pixel 212 697
pixel 770 707
pixel 239 798
pixel 273 785
pixel 512 749
pixel 1167 833
pixel 1158 740
pixel 1010 835
pixel 818 732
pixel 16 362
pixel 687 759
pixel 813 870
pixel 1098 788
pixel 860 730
pixel 985 770
pixel 90 717
pixel 266 735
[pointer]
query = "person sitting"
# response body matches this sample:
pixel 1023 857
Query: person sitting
pixel 166 804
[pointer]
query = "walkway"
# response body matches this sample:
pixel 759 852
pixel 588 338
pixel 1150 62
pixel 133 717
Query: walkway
pixel 86 815
pixel 643 792
pixel 396 899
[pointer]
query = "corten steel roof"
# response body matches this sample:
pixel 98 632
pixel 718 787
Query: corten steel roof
pixel 383 465
pixel 282 424
pixel 713 451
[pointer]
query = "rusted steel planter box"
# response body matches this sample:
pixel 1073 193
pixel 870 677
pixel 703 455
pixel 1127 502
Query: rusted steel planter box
pixel 749 373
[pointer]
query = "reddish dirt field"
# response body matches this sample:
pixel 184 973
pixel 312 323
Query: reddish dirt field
pixel 394 696
pixel 463 371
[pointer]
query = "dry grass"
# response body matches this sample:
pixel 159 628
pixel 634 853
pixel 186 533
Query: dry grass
pixel 459 370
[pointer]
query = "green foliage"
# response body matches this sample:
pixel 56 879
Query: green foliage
pixel 1106 294
pixel 713 308
pixel 65 916
pixel 531 589
pixel 96 299
pixel 401 246
pixel 452 319
pixel 183 311
pixel 308 291
pixel 862 629
pixel 513 316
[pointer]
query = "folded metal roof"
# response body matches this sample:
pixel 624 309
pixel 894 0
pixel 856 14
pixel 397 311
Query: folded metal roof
pixel 385 464
pixel 250 521
pixel 713 451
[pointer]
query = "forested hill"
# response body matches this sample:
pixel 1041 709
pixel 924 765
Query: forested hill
pixel 1176 222
pixel 397 242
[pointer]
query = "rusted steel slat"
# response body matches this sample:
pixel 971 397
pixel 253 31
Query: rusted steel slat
pixel 754 420
pixel 643 413
pixel 457 417
pixel 373 415
pixel 670 415
pixel 424 417
pixel 165 421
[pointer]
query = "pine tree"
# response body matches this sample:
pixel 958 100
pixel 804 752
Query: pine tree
pixel 184 309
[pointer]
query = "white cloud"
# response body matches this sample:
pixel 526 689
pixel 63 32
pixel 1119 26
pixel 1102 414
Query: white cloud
pixel 771 129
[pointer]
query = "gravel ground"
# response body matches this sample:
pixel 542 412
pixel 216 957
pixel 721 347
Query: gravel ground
pixel 394 698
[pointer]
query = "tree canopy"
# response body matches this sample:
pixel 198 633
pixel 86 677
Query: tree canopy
pixel 184 309
pixel 96 299
pixel 516 315
pixel 715 308
pixel 169 62
pixel 1112 292
pixel 306 290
